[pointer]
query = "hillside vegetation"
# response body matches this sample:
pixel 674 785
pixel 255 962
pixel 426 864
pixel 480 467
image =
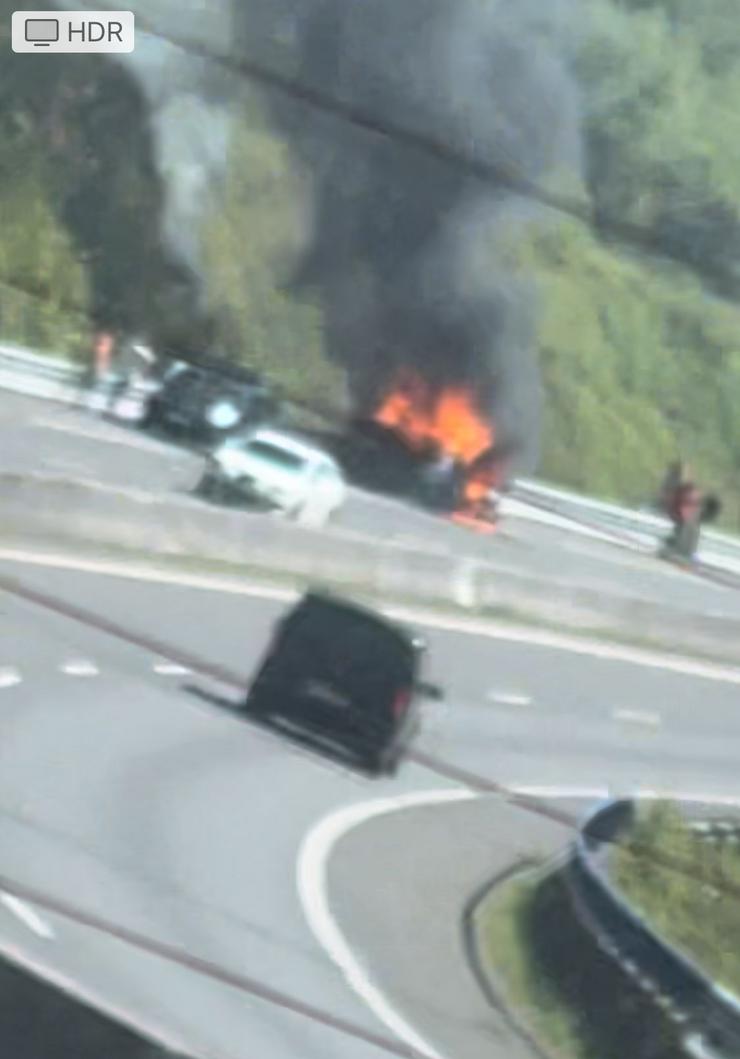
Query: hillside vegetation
pixel 639 345
pixel 641 354
pixel 686 889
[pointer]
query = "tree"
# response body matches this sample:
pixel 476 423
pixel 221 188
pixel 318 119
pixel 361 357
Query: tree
pixel 662 152
pixel 252 234
pixel 44 294
pixel 639 363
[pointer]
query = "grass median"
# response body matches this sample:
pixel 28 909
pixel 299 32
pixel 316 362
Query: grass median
pixel 686 888
pixel 572 1001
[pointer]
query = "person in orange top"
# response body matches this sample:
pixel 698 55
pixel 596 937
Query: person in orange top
pixel 689 508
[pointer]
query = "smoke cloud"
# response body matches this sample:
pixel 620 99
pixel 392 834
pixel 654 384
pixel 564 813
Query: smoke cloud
pixel 408 254
pixel 191 103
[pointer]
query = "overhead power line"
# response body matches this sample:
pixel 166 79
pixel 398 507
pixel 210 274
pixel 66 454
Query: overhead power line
pixel 724 278
pixel 496 174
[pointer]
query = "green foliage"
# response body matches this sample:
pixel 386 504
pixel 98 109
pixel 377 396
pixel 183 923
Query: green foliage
pixel 251 237
pixel 43 285
pixel 503 924
pixel 640 357
pixel 661 124
pixel 686 888
pixel 542 962
pixel 638 362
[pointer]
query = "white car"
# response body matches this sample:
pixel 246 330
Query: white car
pixel 279 471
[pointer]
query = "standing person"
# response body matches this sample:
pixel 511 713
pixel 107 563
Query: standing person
pixel 685 507
pixel 689 506
pixel 103 351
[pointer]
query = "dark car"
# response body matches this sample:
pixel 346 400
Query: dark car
pixel 206 400
pixel 343 677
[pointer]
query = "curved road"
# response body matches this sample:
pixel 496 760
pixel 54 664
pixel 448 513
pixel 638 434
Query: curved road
pixel 125 792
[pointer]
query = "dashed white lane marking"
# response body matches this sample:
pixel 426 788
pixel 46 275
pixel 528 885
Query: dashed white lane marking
pixel 9 677
pixel 510 698
pixel 311 878
pixel 171 669
pixel 27 915
pixel 80 667
pixel 647 718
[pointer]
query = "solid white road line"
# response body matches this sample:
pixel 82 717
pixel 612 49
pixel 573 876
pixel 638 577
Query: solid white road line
pixel 27 915
pixel 509 698
pixel 137 570
pixel 647 718
pixel 318 845
pixel 313 859
pixel 79 668
pixel 9 676
pixel 171 669
pixel 534 637
pixel 467 626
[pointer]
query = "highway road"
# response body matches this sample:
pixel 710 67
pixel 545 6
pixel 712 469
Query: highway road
pixel 140 803
pixel 42 436
pixel 123 791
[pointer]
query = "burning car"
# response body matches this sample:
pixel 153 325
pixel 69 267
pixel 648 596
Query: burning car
pixel 433 446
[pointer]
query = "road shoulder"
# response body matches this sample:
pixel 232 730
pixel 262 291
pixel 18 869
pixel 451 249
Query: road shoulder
pixel 399 886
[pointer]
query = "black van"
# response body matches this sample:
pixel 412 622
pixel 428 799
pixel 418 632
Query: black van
pixel 343 677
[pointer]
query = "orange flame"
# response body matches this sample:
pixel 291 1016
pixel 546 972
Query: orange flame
pixel 447 423
pixel 477 510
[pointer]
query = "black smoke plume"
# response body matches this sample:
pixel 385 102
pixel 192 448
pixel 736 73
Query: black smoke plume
pixel 408 253
pixel 90 122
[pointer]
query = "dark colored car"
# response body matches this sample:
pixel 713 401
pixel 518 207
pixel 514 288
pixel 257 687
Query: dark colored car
pixel 208 400
pixel 339 675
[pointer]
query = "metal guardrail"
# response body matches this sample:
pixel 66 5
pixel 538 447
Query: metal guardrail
pixel 708 1014
pixel 719 550
pixel 18 359
pixel 38 375
pixel 641 525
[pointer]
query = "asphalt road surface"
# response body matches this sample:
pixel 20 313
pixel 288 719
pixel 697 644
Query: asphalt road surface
pixel 124 792
pixel 43 436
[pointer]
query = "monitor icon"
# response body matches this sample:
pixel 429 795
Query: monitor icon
pixel 42 32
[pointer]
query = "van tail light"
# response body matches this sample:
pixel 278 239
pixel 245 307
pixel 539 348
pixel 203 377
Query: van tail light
pixel 401 703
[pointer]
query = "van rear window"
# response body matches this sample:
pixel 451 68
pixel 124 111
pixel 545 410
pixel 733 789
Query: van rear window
pixel 354 642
